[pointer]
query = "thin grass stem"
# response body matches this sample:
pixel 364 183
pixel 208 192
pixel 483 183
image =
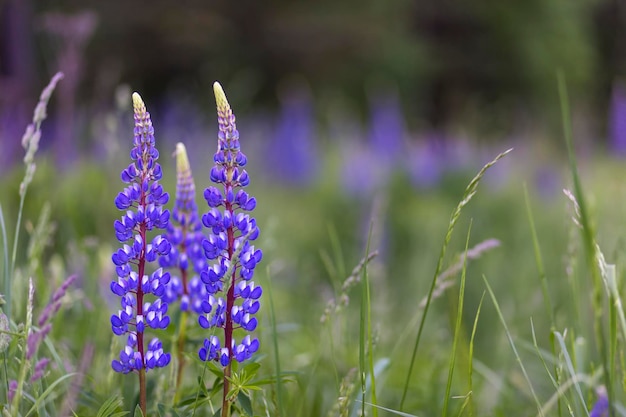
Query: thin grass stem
pixel 457 328
pixel 587 230
pixel 368 310
pixel 512 343
pixel 277 371
pixel 470 191
pixel 470 367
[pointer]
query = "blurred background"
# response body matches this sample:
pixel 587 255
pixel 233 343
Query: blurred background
pixel 348 111
pixel 427 73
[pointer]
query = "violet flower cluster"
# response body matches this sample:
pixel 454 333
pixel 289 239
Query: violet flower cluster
pixel 184 232
pixel 233 296
pixel 142 200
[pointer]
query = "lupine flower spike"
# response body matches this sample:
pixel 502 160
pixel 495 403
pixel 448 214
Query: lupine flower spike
pixel 186 258
pixel 233 297
pixel 142 201
pixel 184 232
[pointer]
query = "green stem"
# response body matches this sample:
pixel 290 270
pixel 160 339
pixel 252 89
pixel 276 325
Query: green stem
pixel 20 386
pixel 14 255
pixel 179 354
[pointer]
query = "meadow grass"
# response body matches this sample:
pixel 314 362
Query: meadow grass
pixel 518 314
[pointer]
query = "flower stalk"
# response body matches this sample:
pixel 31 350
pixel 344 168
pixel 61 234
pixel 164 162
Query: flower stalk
pixel 233 297
pixel 184 232
pixel 143 201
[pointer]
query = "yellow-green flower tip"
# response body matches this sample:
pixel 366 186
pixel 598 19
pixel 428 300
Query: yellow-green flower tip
pixel 138 105
pixel 220 98
pixel 182 161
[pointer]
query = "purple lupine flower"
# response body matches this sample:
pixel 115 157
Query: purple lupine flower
pixel 617 120
pixel 184 232
pixel 293 155
pixel 12 389
pixel 426 161
pixel 228 246
pixel 601 406
pixel 142 200
pixel 387 129
pixel 40 368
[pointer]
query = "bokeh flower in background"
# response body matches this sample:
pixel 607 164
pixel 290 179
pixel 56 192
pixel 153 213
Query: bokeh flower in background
pixel 387 131
pixel 292 155
pixel 369 162
pixel 425 162
pixel 617 120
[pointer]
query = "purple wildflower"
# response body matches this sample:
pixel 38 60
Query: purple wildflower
pixel 617 120
pixel 55 303
pixel 228 246
pixel 184 232
pixel 35 337
pixel 40 368
pixel 12 389
pixel 142 200
pixel 387 129
pixel 601 406
pixel 292 155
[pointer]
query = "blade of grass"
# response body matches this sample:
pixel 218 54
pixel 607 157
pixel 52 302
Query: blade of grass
pixel 539 259
pixel 444 282
pixel 30 141
pixel 512 343
pixel 565 386
pixel 279 388
pixel 7 277
pixel 544 287
pixel 470 368
pixel 570 368
pixel 587 230
pixel 457 327
pixel 467 196
pixel 616 313
pixel 365 333
pixel 370 337
pixel 380 367
pixel 392 411
pixel 543 360
pixel 610 281
pixel 42 398
pixel 613 347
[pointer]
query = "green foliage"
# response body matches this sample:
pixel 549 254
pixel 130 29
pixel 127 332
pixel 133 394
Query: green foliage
pixel 110 408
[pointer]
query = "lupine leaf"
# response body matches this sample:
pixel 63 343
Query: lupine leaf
pixel 138 412
pixel 166 412
pixel 245 403
pixel 109 407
